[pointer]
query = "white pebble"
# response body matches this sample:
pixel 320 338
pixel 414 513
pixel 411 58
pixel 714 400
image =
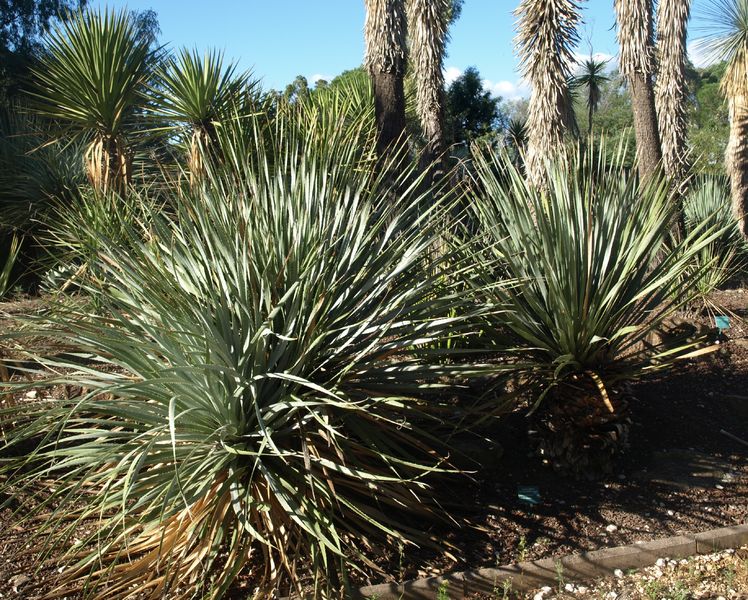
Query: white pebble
pixel 660 562
pixel 670 513
pixel 618 573
pixel 611 528
pixel 569 587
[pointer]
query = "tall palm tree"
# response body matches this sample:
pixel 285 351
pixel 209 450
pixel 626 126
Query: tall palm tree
pixel 546 36
pixel 592 78
pixel 90 79
pixel 385 33
pixel 428 24
pixel 636 41
pixel 671 91
pixel 728 40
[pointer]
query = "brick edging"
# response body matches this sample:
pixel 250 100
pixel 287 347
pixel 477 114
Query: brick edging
pixel 574 567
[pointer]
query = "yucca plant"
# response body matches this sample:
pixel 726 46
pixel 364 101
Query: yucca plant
pixel 256 398
pixel 594 288
pixel 196 93
pixel 723 258
pixel 90 79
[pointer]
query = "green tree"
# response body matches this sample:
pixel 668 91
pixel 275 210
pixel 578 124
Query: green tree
pixel 592 79
pixel 91 80
pixel 21 24
pixel 298 89
pixel 709 121
pixel 471 110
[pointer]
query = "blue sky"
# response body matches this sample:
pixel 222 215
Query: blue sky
pixel 280 39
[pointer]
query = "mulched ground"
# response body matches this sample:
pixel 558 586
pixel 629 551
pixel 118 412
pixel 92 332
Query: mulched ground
pixel 680 474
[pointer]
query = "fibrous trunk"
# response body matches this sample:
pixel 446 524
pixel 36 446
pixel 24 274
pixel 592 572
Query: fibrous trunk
pixel 574 431
pixel 636 42
pixel 427 24
pixel 385 31
pixel 546 37
pixel 671 90
pixel 648 148
pixel 736 160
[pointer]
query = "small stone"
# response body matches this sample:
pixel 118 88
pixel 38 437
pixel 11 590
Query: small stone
pixel 670 513
pixel 546 589
pixel 569 587
pixel 660 562
pixel 720 487
pixel 618 573
pixel 611 596
pixel 18 582
pixel 611 528
pixel 31 394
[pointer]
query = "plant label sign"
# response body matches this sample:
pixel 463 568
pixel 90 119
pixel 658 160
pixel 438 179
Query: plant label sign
pixel 722 322
pixel 528 494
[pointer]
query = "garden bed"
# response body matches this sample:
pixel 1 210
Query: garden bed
pixel 681 473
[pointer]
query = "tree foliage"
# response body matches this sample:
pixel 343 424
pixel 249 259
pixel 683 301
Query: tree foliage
pixel 471 110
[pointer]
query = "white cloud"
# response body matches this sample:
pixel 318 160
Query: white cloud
pixel 317 76
pixel 508 90
pixel 451 73
pixel 699 57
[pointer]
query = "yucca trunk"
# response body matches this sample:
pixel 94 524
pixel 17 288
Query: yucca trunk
pixel 385 32
pixel 635 38
pixel 428 23
pixel 545 39
pixel 736 159
pixel 107 163
pixel 671 90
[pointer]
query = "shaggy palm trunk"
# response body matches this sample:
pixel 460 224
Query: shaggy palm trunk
pixel 648 146
pixel 546 36
pixel 385 32
pixel 635 38
pixel 736 160
pixel 671 90
pixel 107 164
pixel 428 24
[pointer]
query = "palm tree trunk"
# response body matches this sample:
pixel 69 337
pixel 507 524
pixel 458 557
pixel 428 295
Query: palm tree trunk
pixel 736 160
pixel 546 36
pixel 671 91
pixel 648 147
pixel 636 41
pixel 428 24
pixel 385 31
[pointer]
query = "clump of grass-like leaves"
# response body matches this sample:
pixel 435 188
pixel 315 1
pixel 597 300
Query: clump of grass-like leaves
pixel 255 401
pixel 596 283
pixel 723 258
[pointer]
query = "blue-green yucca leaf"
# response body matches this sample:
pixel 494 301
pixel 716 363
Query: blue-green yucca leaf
pixel 595 275
pixel 258 399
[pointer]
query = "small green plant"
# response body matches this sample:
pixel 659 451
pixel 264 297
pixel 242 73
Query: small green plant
pixel 560 576
pixel 654 589
pixel 522 549
pixel 443 592
pixel 506 590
